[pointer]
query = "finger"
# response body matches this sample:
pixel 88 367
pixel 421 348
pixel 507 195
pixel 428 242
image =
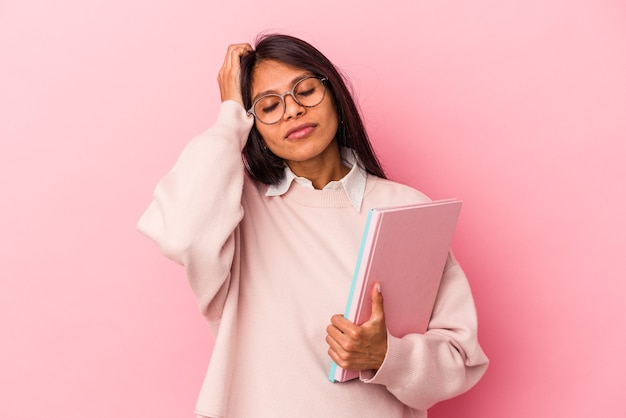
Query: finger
pixel 337 351
pixel 233 57
pixel 335 334
pixel 333 344
pixel 378 312
pixel 342 324
pixel 236 51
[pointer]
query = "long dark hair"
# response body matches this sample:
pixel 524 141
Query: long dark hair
pixel 261 164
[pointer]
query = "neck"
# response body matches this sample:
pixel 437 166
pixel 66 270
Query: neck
pixel 321 171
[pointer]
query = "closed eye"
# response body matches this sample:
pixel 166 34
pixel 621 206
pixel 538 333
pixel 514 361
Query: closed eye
pixel 307 92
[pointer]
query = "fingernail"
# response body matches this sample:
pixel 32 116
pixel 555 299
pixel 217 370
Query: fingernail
pixel 378 287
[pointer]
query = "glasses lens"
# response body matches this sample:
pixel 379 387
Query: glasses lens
pixel 269 109
pixel 309 92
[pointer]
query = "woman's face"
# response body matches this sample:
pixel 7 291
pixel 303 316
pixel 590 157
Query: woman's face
pixel 302 134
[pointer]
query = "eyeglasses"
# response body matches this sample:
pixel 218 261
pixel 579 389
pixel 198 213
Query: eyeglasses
pixel 270 108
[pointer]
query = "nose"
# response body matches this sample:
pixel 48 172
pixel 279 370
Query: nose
pixel 292 108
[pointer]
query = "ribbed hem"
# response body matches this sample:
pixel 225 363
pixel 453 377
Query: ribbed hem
pixel 233 116
pixel 398 351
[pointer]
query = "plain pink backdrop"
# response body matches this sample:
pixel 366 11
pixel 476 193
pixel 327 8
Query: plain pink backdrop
pixel 516 107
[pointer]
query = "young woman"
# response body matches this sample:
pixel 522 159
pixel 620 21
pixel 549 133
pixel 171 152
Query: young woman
pixel 266 211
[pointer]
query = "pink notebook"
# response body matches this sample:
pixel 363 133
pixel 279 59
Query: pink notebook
pixel 405 249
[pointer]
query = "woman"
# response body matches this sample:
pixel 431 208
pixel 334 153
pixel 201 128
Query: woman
pixel 269 242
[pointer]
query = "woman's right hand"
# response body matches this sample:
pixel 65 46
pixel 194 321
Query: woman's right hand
pixel 228 77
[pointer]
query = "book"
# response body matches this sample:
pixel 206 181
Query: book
pixel 405 249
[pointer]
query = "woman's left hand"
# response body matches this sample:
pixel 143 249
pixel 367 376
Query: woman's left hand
pixel 359 347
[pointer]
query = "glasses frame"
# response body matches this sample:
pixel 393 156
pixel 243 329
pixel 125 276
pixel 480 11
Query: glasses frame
pixel 288 93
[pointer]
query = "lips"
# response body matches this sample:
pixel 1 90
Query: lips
pixel 300 131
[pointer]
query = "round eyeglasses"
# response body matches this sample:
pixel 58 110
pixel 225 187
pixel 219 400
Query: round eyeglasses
pixel 270 108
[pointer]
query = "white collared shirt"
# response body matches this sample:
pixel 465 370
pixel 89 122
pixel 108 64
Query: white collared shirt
pixel 353 183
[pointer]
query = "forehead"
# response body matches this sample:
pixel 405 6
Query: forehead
pixel 270 75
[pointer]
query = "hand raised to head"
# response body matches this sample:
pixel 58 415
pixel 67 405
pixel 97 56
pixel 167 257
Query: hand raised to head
pixel 228 76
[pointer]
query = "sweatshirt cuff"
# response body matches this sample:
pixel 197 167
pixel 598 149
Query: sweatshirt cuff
pixel 232 115
pixel 394 364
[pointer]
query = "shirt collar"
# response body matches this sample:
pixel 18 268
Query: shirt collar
pixel 353 184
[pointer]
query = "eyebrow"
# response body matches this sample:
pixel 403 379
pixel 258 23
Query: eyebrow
pixel 294 81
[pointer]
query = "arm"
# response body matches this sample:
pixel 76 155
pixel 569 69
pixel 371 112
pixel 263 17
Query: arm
pixel 418 369
pixel 421 370
pixel 197 206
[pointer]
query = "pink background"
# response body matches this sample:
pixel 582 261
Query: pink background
pixel 516 107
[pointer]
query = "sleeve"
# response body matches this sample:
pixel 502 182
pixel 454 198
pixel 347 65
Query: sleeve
pixel 423 369
pixel 196 207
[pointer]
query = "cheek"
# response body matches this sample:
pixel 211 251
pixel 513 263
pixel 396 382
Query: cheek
pixel 332 116
pixel 333 122
pixel 263 132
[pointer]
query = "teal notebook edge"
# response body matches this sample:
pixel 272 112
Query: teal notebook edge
pixel 333 366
